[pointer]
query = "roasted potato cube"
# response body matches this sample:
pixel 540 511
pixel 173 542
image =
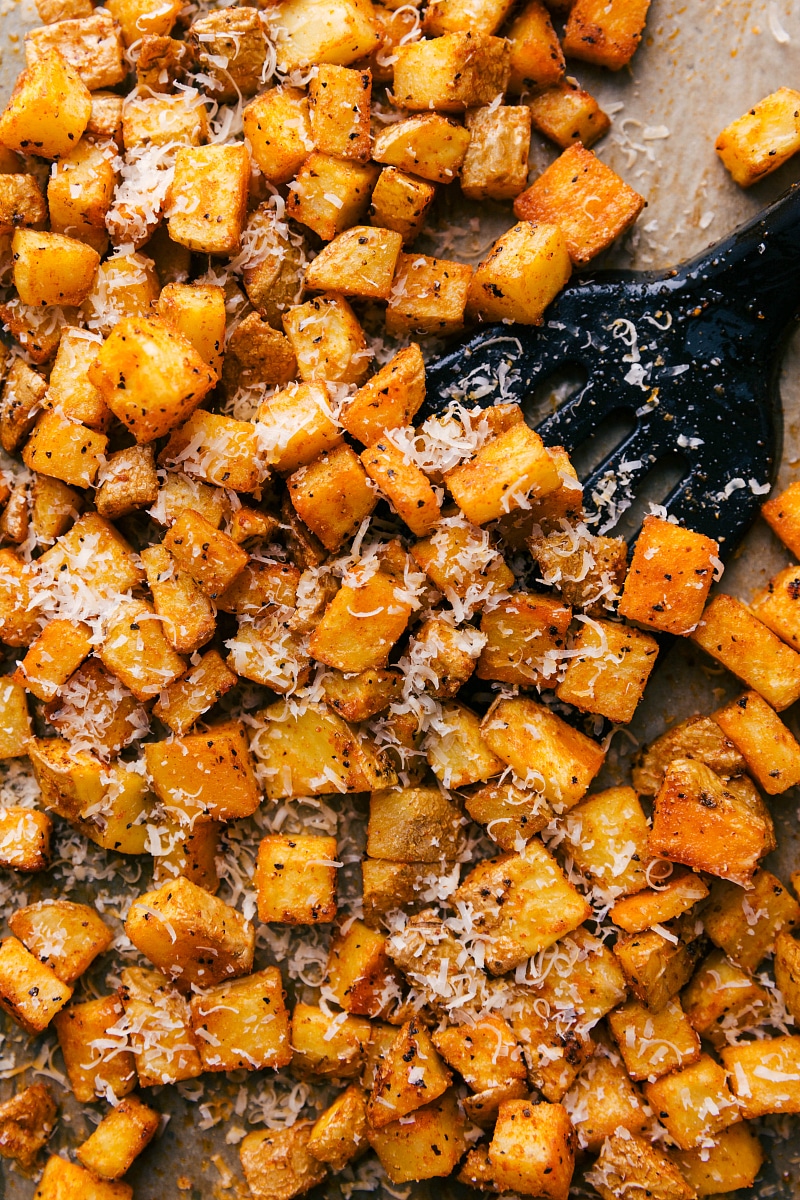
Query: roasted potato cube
pixel 657 905
pixel 124 286
pixel 744 923
pixel 63 449
pixel 669 577
pixel 451 73
pixel 95 1051
pixel 400 201
pixel 257 355
pixel 38 330
pixel 523 902
pixel 695 1103
pixel 339 107
pixel 587 571
pixel 189 851
pixel 453 16
pixel 427 1144
pixel 610 674
pixel 243 1024
pixel 178 492
pixel 270 652
pixel 782 514
pixel 324 31
pixel 274 281
pixel 295 879
pixel 764 1075
pixel 359 972
pixel 161 62
pixel 276 1162
pixel 70 393
pixel 544 752
pixel 66 937
pixel 161 1038
pixel 581 974
pixel 502 475
pixel 585 198
pixel 697 738
pixel 207 201
pixel 389 399
pixel 456 751
pixel 58 651
pixel 486 1054
pixel 340 1134
pixel 732 1162
pixel 205 776
pixel 80 193
pixel 763 139
pixel 61 10
pixel 15 722
pixel 405 486
pixel 537 60
pixel 48 109
pixel 603 1099
pixel 413 825
pixel 701 822
pixel 185 610
pixel 138 18
pixel 731 634
pixel 69 779
pixel 50 268
pixel 328 340
pixel 54 507
pixel 92 45
pixel 295 426
pixel 566 114
pixel 137 652
pixel 721 998
pixel 30 991
pixel 181 703
pixel 429 146
pixel 359 697
pixel 217 449
pixel 653 1043
pixel 119 1138
pixel 358 262
pixel 511 814
pixel 19 620
pixel 23 395
pixel 457 556
pixel 209 555
pixel 787 970
pixel 429 296
pixel 523 272
pixel 331 194
pixel 771 752
pixel 21 203
pixel 496 162
pixel 607 837
pixel 64 1178
pixel 411 1075
pixel 332 497
pixel 327 1046
pixel 128 482
pixel 151 377
pixel 524 636
pixel 655 968
pixel 605 34
pixel 278 128
pixel 26 1121
pixel 237 35
pixel 443 656
pixel 197 311
pixel 190 934
pixel 388 886
pixel 630 1166
pixel 316 751
pixel 775 605
pixel 533 1149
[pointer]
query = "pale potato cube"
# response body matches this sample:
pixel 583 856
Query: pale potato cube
pixel 496 163
pixel 278 128
pixel 243 1024
pixel 330 194
pixel 451 73
pixel 277 1164
pixel 119 1138
pixel 295 879
pixel 92 45
pixel 400 201
pixel 328 340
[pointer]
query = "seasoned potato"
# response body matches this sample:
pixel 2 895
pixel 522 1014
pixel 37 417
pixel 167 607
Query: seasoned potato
pixel 30 992
pixel 429 146
pixel 50 268
pixel 400 201
pixel 359 262
pixel 604 34
pixel 48 110
pixel 244 1023
pixel 295 879
pixel 763 139
pixel 451 73
pixel 207 203
pixel 65 936
pixel 119 1138
pixel 324 31
pixel 339 107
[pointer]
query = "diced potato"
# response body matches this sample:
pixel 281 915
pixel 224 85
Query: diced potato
pixel 30 991
pixel 653 1043
pixel 66 937
pixel 331 194
pixel 603 1099
pixel 339 106
pixel 732 1162
pixel 278 128
pixel 323 31
pixel 429 296
pixel 496 163
pixel 695 1103
pixel 523 272
pixel 359 262
pixel 217 449
pixel 655 967
pixel 429 146
pixel 256 356
pixel 453 16
pixel 413 825
pixel 23 394
pixel 63 449
pixel 119 1138
pixel 58 651
pixel 80 193
pixel 359 972
pixel 537 60
pixel 630 1166
pixel 456 750
pixel 270 652
pixel 610 673
pixel 400 201
pixel 731 634
pixel 38 330
pixel 782 514
pixel 48 109
pixel 243 1024
pixel 524 636
pixel 533 1149
pixel 137 652
pixel 151 377
pixel 388 886
pixel 185 610
pixel 54 507
pixel 502 475
pixel 669 577
pixel 124 286
pixel 189 851
pixel 198 312
pixel 129 482
pixel 207 201
pixel 332 497
pixel 775 605
pixel 744 924
pixel 61 10
pixel 763 139
pixel 456 557
pixel 404 485
pixel 721 998
pixel 787 970
pixel 92 45
pixel 62 1178
pixel 603 34
pixel 50 268
pixel 543 751
pixel 340 1134
pixel 444 656
pixel 161 1038
pixel 105 121
pixel 295 879
pixel 410 1075
pixel 427 1144
pixel 523 902
pixel 181 703
pixel 190 934
pixel 359 697
pixel 607 837
pixel 566 114
pixel 585 198
pixel 764 1075
pixel 700 822
pixel 237 35
pixel 141 17
pixel 655 906
pixel 277 1164
pixel 328 340
pixel 19 620
pixel 210 556
pixel 26 1122
pixel 127 806
pixel 697 738
pixel 95 1050
pixel 485 1054
pixel 451 73
pixel 509 813
pixel 205 776
pixel 327 1046
pixel 21 204
pixel 770 750
pixel 389 399
pixel 161 62
pixel 295 426
pixel 15 722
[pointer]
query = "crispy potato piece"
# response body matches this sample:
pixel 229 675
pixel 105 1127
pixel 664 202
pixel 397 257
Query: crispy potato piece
pixel 183 702
pixel 410 1075
pixel 359 972
pixel 197 311
pixel 205 776
pixel 244 1023
pixel 15 722
pixel 96 1053
pixel 782 514
pixel 138 18
pixel 451 73
pixel 510 814
pixel 217 449
pixel 339 107
pixel 732 1162
pixel 186 612
pixel 771 752
pixel 278 127
pixel 48 110
pixel 400 201
pixel 66 937
pixel 502 475
pixel 119 1138
pixel 50 268
pixel 58 651
pixel 295 426
pixel 327 1046
pixel 607 836
pixel 763 139
pixel 188 851
pixel 429 296
pixel 533 1149
pixel 65 450
pixel 429 146
pixel 775 605
pixel 359 262
pixel 523 272
pixel 524 635
pixel 427 1144
pixel 328 340
pixel 324 31
pixel 496 162
pixel 566 114
pixel 669 577
pixel 653 1043
pixel 80 193
pixel 655 906
pixel 331 194
pixel 389 399
pixel 605 35
pixel 413 825
pixel 210 556
pixel 30 992
pixel 137 652
pixel 129 482
pixel 295 879
pixel 787 970
pixel 744 924
pixel 92 45
pixel 161 1038
pixel 237 35
pixel 537 60
pixel 332 497
pixel 698 738
pixel 64 1178
pixel 764 1075
pixel 603 1099
pixel 655 968
pixel 207 201
pixel 340 1134
pixel 26 1122
pixel 277 1164
pixel 23 394
pixel 70 393
pixel 709 1108
pixel 641 1171
pixel 609 675
pixel 21 203
pixel 24 839
pixel 453 16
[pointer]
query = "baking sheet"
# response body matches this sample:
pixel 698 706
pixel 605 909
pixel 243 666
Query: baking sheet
pixel 702 64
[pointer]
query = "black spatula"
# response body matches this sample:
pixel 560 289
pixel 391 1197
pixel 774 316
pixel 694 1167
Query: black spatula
pixel 690 354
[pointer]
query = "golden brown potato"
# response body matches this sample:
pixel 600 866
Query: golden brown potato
pixel 48 109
